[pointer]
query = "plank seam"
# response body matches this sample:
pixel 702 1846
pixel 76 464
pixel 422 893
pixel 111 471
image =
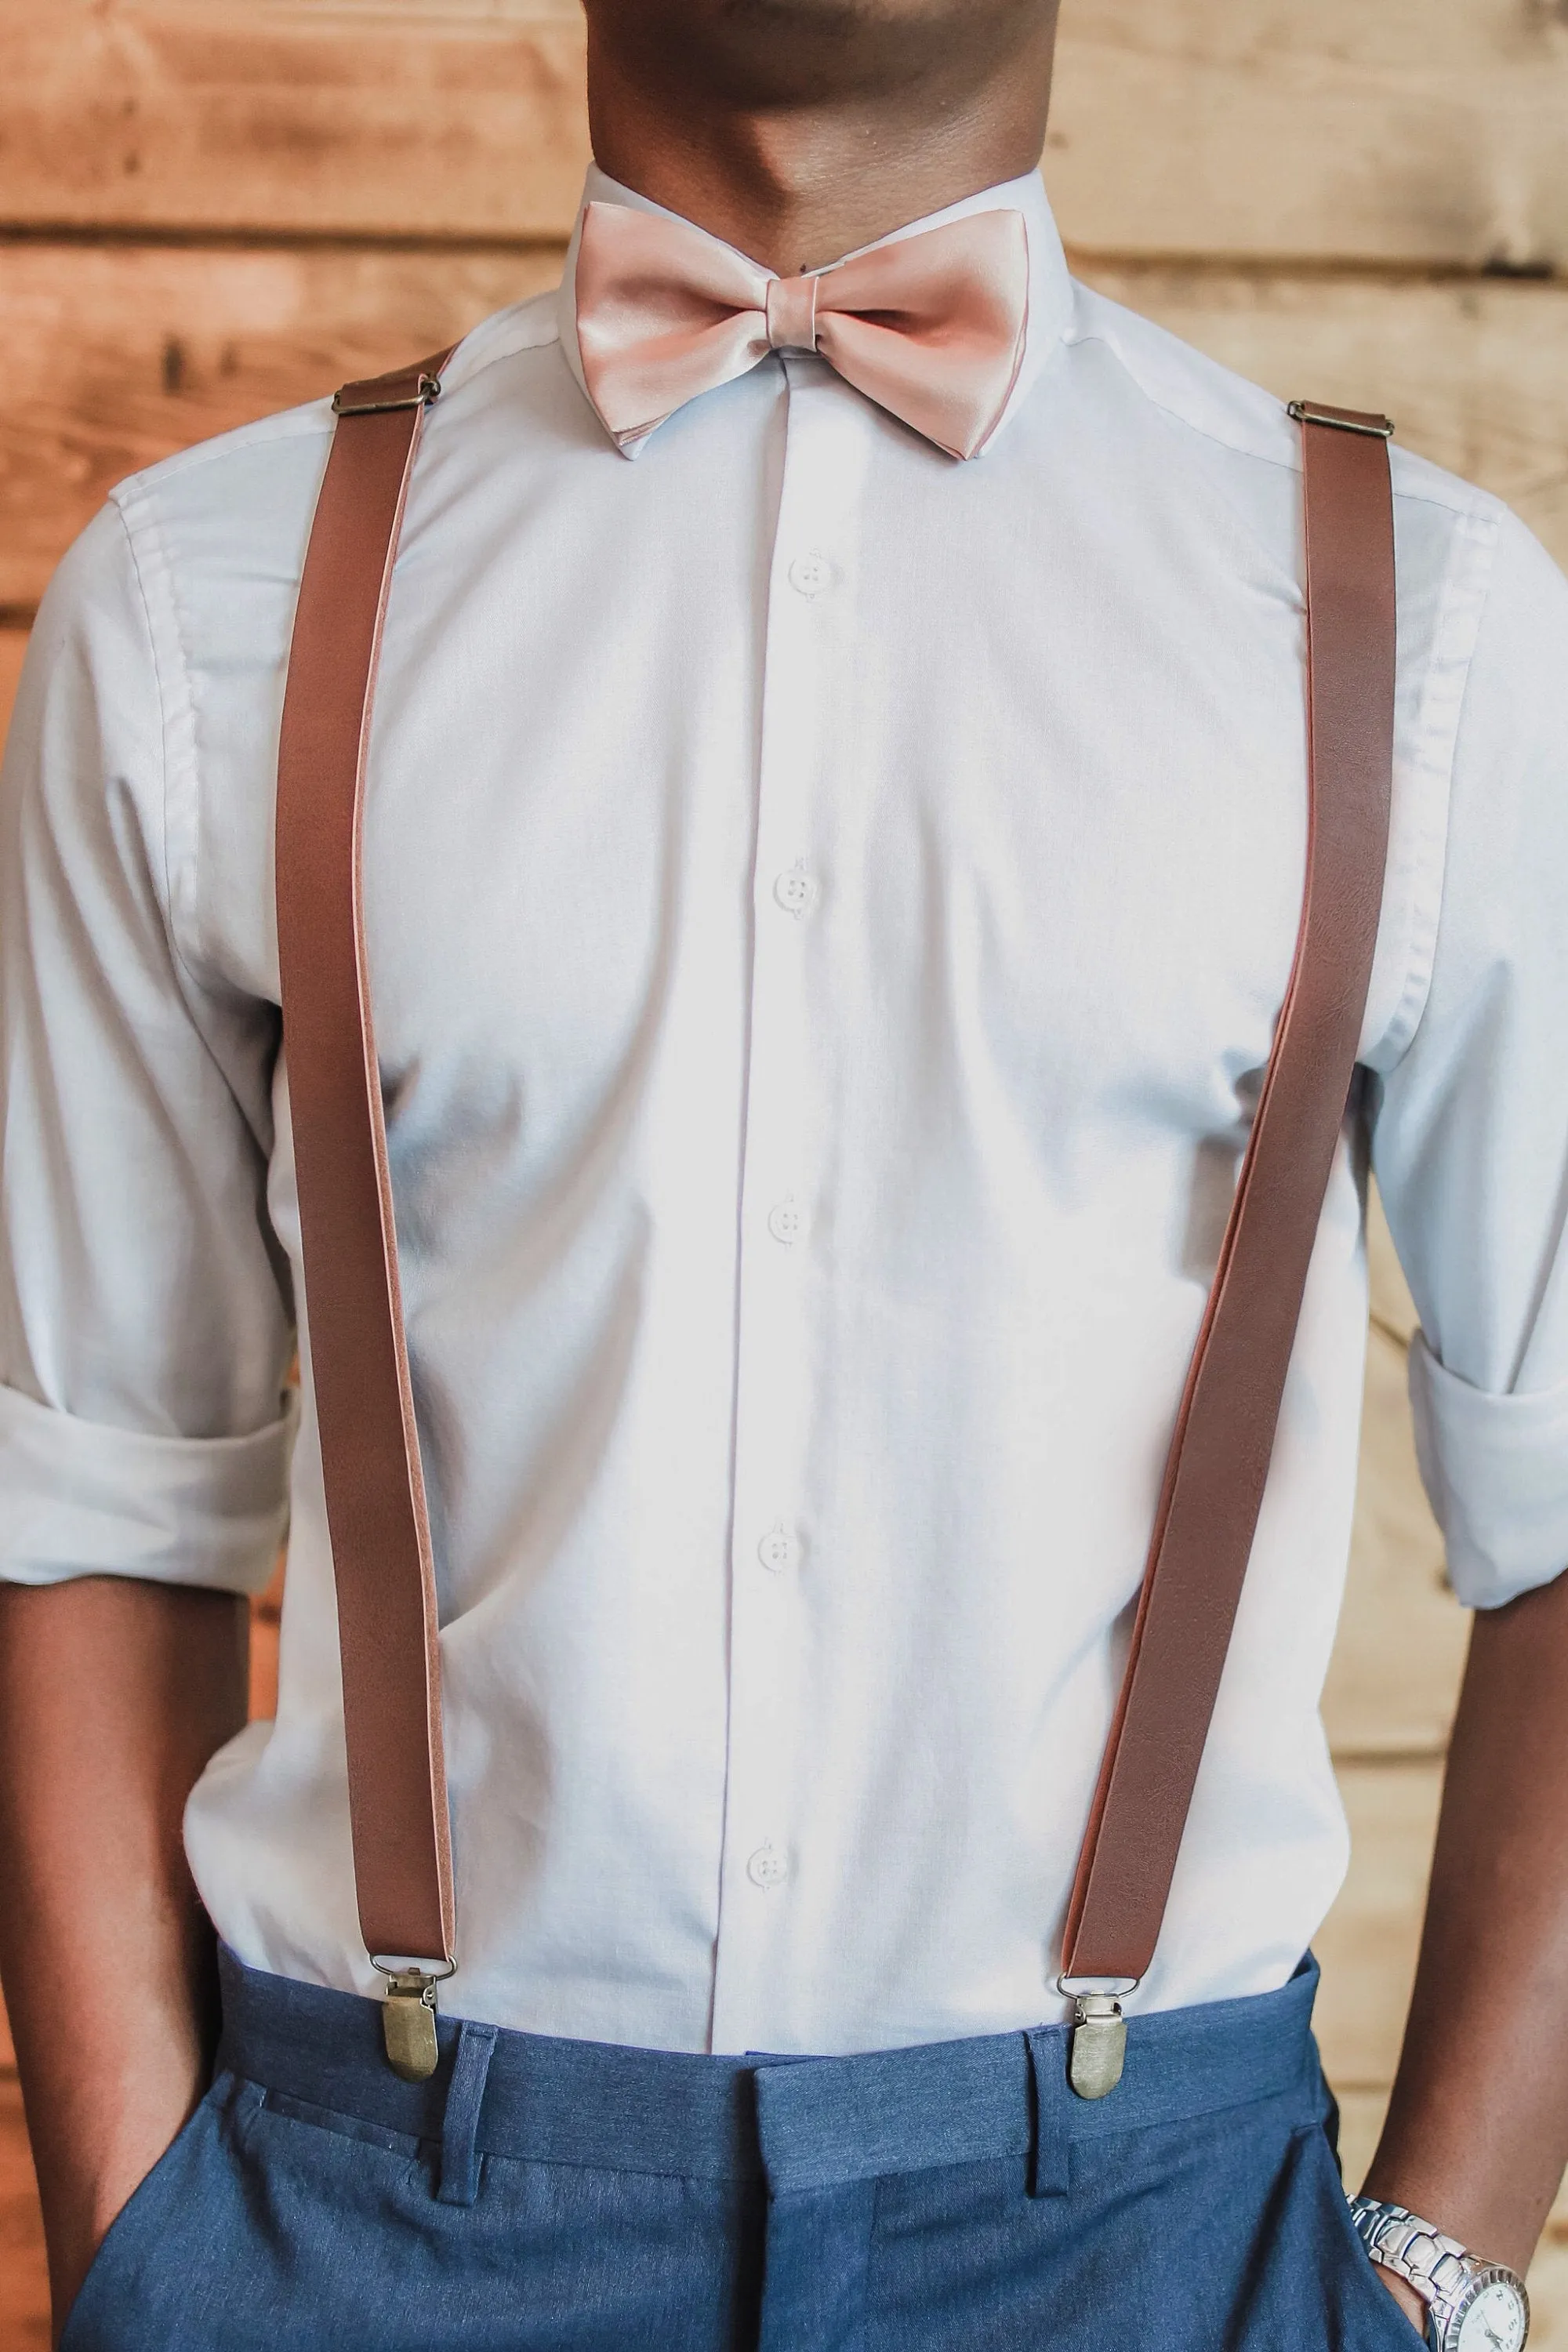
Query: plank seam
pixel 185 238
pixel 1349 267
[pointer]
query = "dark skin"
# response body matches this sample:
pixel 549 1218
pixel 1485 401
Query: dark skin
pixel 1477 2135
pixel 801 130
pixel 797 130
pixel 112 1696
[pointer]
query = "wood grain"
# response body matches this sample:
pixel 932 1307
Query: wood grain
pixel 1418 130
pixel 24 2279
pixel 1413 131
pixel 1392 1305
pixel 312 118
pixel 266 1614
pixel 1367 1945
pixel 13 646
pixel 118 356
pixel 1549 2292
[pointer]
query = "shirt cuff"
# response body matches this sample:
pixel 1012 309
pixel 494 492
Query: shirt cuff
pixel 1496 1472
pixel 84 1499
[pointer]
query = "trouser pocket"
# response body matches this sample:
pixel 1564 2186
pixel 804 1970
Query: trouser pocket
pixel 1366 2302
pixel 121 2305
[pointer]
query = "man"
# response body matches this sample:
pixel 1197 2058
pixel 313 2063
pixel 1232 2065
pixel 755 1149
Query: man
pixel 828 902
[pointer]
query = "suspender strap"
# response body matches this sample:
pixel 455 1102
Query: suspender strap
pixel 358 1358
pixel 1219 1455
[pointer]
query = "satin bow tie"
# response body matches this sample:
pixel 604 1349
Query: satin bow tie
pixel 931 327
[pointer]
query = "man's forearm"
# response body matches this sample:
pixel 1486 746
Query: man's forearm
pixel 1477 2136
pixel 112 1696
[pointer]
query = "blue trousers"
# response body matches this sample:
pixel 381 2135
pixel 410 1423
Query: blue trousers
pixel 547 2196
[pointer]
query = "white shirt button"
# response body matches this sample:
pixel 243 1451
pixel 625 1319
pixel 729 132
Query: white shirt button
pixel 796 891
pixel 779 1549
pixel 810 574
pixel 768 1866
pixel 785 1222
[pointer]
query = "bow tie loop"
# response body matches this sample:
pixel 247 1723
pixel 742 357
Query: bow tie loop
pixel 791 309
pixel 931 326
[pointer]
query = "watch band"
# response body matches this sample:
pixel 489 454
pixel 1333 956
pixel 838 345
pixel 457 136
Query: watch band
pixel 1445 2275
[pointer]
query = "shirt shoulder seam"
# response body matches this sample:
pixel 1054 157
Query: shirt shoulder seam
pixel 1470 500
pixel 145 525
pixel 1480 530
pixel 516 345
pixel 134 559
pixel 290 424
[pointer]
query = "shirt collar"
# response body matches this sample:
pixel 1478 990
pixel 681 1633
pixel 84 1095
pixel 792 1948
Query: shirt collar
pixel 1050 288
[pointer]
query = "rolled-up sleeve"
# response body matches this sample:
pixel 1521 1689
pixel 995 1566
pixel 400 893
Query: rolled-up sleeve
pixel 1471 1138
pixel 145 1326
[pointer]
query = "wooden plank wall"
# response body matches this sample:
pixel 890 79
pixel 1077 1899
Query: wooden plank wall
pixel 208 210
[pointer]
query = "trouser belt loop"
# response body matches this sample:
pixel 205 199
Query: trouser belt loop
pixel 1050 2153
pixel 465 2096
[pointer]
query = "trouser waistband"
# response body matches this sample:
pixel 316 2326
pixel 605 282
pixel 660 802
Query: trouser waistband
pixel 794 2123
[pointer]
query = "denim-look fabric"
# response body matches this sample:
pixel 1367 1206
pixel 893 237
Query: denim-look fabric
pixel 546 2196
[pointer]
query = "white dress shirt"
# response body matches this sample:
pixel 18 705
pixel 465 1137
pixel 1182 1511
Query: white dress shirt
pixel 827 911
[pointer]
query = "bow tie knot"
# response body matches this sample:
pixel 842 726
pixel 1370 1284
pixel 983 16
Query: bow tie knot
pixel 791 313
pixel 931 326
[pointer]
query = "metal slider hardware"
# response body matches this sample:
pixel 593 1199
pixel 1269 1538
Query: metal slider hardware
pixel 428 390
pixel 1344 420
pixel 1097 2048
pixel 408 2017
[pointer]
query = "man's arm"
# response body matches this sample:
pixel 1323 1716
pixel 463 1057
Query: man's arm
pixel 145 1333
pixel 113 1694
pixel 1477 2136
pixel 1471 1152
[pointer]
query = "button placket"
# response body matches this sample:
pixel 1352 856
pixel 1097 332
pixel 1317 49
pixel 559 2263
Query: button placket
pixel 770 1589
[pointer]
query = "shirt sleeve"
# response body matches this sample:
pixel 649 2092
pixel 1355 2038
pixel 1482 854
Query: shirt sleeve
pixel 145 1326
pixel 1471 1138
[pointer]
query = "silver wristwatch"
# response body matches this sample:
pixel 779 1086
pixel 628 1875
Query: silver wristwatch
pixel 1471 2306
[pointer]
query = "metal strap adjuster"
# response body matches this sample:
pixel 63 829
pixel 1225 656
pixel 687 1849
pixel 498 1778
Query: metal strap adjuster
pixel 1097 2046
pixel 1344 420
pixel 408 2011
pixel 376 404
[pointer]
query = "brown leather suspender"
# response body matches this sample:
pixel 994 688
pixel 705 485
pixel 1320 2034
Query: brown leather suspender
pixel 1220 1452
pixel 1219 1455
pixel 358 1363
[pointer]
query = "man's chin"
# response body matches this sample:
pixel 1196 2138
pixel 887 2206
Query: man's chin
pixel 764 53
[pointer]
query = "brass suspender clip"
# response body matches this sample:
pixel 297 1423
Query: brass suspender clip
pixel 408 2017
pixel 1346 420
pixel 375 403
pixel 1097 2048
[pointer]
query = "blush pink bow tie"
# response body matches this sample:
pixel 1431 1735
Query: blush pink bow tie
pixel 931 327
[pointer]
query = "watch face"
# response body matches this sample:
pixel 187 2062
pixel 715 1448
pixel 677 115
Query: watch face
pixel 1492 2318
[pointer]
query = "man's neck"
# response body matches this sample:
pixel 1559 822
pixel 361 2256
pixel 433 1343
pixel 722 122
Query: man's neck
pixel 798 185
